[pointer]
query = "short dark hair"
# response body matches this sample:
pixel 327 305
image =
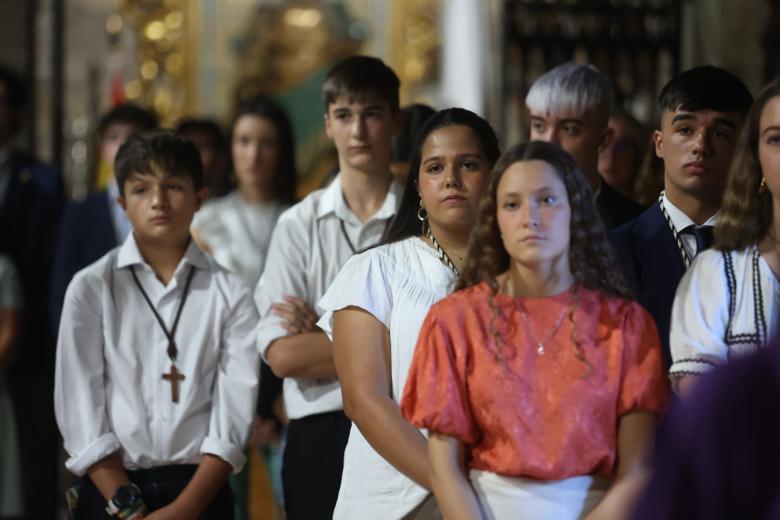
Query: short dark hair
pixel 207 126
pixel 705 88
pixel 172 153
pixel 15 93
pixel 127 113
pixel 358 77
pixel 406 224
pixel 403 143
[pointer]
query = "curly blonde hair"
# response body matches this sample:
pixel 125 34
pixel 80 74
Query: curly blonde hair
pixel 746 213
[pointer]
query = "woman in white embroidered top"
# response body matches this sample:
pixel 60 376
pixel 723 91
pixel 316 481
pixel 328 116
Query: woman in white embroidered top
pixel 375 307
pixel 236 229
pixel 728 303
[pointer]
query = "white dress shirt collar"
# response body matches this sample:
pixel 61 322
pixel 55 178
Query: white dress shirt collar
pixel 681 220
pixel 129 254
pixel 332 202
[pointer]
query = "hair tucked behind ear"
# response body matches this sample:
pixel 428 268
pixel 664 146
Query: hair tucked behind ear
pixel 591 259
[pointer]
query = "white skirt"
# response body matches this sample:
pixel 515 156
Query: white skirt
pixel 515 498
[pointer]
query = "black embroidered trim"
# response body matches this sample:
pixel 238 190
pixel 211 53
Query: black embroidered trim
pixel 759 322
pixel 685 373
pixel 758 300
pixel 695 360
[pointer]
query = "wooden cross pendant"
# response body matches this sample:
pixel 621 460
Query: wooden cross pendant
pixel 173 377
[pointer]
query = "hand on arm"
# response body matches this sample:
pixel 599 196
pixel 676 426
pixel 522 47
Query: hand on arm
pixel 451 485
pixel 211 475
pixel 635 435
pixel 361 351
pixel 298 316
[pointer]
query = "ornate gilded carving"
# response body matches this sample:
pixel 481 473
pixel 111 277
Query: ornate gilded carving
pixel 416 45
pixel 161 76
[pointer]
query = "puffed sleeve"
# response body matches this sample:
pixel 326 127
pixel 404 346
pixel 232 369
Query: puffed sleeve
pixel 700 317
pixel 643 383
pixel 235 390
pixel 363 282
pixel 436 394
pixel 79 378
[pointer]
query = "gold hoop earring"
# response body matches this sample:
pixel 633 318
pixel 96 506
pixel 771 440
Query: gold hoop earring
pixel 762 186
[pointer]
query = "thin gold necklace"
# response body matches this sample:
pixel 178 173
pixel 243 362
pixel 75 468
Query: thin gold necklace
pixel 529 326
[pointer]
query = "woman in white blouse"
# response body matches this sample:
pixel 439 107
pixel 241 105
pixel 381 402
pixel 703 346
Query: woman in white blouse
pixel 728 303
pixel 375 307
pixel 236 229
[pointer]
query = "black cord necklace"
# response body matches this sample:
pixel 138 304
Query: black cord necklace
pixel 174 376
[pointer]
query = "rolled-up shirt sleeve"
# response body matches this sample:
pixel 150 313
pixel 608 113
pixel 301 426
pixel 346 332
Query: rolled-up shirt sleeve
pixel 235 389
pixel 79 385
pixel 284 275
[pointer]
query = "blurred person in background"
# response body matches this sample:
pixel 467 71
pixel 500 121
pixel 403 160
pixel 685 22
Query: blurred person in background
pixel 621 160
pixel 403 144
pixel 211 144
pixel 236 230
pixel 31 198
pixel 91 227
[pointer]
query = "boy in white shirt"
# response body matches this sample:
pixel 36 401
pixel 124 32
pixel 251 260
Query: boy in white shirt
pixel 310 243
pixel 157 370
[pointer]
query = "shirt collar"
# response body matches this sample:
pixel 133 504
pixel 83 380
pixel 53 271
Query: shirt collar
pixel 681 220
pixel 129 254
pixel 332 201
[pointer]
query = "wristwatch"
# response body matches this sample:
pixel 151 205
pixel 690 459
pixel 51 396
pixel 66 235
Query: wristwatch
pixel 126 503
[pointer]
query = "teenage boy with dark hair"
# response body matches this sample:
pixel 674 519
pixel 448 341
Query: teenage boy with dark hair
pixel 91 227
pixel 157 367
pixel 570 106
pixel 702 110
pixel 311 242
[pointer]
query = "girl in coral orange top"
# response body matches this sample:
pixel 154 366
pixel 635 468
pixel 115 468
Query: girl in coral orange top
pixel 539 381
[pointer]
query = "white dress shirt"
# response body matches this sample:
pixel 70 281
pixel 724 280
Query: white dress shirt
pixel 238 233
pixel 308 247
pixel 682 221
pixel 397 283
pixel 111 354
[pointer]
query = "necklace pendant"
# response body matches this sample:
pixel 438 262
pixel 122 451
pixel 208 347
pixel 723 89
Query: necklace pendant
pixel 540 349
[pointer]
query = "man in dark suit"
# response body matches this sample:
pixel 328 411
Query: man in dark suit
pixel 31 196
pixel 570 106
pixel 702 111
pixel 93 226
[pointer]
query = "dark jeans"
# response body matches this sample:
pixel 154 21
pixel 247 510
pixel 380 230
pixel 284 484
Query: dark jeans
pixel 311 465
pixel 159 486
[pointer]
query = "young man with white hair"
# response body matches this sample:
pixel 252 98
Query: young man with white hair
pixel 570 106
